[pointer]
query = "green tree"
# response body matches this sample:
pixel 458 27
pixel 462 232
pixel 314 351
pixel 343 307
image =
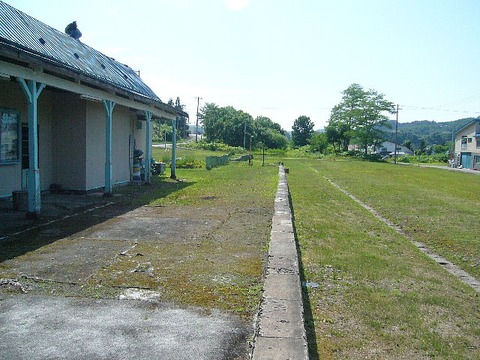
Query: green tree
pixel 182 120
pixel 265 122
pixel 344 116
pixel 270 134
pixel 162 130
pixel 408 144
pixel 318 142
pixel 339 135
pixel 183 129
pixel 422 147
pixel 302 130
pixel 360 117
pixel 226 124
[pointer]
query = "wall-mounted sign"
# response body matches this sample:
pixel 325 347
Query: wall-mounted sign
pixel 9 136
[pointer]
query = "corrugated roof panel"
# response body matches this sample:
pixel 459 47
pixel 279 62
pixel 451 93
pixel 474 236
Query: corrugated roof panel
pixel 26 33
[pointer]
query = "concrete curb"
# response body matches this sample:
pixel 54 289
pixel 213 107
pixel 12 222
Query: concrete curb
pixel 281 332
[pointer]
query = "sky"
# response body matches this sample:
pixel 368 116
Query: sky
pixel 287 58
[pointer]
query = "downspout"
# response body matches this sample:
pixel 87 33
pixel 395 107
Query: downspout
pixel 32 92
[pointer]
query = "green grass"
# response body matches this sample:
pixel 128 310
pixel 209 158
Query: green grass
pixel 437 207
pixel 379 297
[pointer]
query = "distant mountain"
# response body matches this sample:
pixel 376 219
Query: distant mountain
pixel 434 133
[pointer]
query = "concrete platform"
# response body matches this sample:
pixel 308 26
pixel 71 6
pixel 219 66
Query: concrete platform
pixel 281 332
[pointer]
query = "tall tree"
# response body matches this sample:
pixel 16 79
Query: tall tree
pixel 270 134
pixel 226 124
pixel 318 142
pixel 339 134
pixel 302 130
pixel 182 121
pixel 360 117
pixel 343 117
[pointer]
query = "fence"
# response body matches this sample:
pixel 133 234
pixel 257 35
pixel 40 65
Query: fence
pixel 214 161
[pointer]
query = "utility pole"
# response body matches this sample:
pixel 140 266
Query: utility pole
pixel 244 133
pixel 396 133
pixel 196 127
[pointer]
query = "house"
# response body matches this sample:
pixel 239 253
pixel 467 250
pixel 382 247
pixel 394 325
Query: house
pixel 70 116
pixel 467 146
pixel 387 148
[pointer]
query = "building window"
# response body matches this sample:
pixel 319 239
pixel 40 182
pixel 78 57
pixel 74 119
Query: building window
pixel 464 142
pixel 469 140
pixel 9 136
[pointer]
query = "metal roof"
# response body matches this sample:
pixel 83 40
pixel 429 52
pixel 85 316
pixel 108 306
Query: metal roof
pixel 467 125
pixel 25 34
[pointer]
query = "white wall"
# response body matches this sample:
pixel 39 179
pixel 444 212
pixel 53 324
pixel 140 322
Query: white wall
pixel 123 130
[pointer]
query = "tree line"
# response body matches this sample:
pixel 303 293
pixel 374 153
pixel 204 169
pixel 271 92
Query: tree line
pixel 358 119
pixel 238 128
pixel 361 119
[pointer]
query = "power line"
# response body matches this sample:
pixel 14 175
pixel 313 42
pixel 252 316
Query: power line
pixel 412 107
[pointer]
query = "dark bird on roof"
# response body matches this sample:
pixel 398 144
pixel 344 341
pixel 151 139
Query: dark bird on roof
pixel 73 30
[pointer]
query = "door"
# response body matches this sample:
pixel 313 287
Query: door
pixel 467 160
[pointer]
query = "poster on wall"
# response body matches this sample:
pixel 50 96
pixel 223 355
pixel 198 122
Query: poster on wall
pixel 9 136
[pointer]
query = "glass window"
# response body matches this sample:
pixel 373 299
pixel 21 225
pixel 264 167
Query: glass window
pixel 9 136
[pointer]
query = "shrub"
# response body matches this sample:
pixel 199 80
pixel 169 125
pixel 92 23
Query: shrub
pixel 189 163
pixel 216 146
pixel 372 157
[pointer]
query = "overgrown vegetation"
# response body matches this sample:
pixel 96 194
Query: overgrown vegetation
pixel 221 269
pixel 441 159
pixel 215 146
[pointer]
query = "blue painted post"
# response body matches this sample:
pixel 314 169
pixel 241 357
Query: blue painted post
pixel 173 174
pixel 32 92
pixel 148 150
pixel 109 105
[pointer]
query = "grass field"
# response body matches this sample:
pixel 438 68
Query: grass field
pixel 378 297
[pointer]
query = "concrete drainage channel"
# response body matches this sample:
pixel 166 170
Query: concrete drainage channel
pixel 281 332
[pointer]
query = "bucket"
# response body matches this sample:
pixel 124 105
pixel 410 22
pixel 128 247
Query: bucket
pixel 137 165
